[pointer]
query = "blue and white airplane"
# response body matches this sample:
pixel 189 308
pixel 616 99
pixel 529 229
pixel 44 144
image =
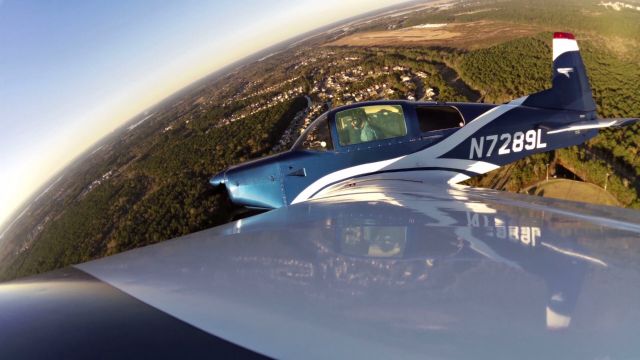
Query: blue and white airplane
pixel 372 252
pixel 418 140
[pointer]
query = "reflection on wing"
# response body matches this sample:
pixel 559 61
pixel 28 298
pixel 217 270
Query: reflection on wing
pixel 382 268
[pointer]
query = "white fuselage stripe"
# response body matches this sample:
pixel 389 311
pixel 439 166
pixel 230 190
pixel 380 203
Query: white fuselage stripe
pixel 584 126
pixel 428 157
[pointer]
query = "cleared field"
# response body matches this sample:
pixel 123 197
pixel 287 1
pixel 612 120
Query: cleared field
pixel 470 35
pixel 574 191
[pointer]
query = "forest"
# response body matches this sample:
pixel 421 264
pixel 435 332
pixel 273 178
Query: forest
pixel 523 65
pixel 163 195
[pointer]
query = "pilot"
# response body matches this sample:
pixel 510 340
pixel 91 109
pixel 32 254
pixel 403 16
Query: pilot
pixel 361 124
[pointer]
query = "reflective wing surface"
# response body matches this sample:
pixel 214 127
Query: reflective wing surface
pixel 69 314
pixel 379 268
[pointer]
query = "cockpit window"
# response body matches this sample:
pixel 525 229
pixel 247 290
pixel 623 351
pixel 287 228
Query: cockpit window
pixel 317 136
pixel 369 123
pixel 433 118
pixel 374 241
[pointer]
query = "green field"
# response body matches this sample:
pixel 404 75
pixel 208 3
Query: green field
pixel 573 190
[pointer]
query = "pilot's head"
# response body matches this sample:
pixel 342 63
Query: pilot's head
pixel 357 122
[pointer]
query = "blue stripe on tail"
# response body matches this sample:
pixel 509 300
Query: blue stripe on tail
pixel 570 90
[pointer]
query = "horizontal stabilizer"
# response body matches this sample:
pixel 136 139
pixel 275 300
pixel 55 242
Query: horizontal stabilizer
pixel 594 124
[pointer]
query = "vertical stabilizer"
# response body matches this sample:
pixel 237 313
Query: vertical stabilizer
pixel 570 89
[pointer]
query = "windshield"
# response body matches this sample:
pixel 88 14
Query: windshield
pixel 317 137
pixel 369 123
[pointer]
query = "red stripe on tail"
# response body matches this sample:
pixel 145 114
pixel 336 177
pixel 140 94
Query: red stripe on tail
pixel 563 35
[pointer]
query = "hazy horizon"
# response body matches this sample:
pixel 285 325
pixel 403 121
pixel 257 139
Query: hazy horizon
pixel 79 71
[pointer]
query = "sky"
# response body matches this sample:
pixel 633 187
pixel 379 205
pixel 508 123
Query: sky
pixel 71 71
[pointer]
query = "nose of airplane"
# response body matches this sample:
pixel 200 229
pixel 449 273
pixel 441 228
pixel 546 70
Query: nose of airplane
pixel 219 179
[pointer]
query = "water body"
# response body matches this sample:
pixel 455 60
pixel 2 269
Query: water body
pixel 139 122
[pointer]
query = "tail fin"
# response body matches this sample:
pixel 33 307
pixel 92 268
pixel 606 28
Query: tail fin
pixel 570 89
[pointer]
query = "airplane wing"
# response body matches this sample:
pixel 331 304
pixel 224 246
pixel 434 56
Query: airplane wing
pixel 369 268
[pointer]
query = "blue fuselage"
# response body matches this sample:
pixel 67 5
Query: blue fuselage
pixel 505 135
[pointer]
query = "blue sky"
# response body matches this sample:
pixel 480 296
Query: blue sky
pixel 71 71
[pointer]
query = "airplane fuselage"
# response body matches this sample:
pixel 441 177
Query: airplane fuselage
pixel 459 140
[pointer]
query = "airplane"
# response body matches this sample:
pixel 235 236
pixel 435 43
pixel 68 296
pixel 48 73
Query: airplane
pixel 417 139
pixel 376 260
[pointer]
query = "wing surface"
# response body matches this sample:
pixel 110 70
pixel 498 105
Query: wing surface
pixel 386 268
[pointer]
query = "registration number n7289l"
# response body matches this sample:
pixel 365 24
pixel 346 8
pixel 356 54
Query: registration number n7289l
pixel 503 144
